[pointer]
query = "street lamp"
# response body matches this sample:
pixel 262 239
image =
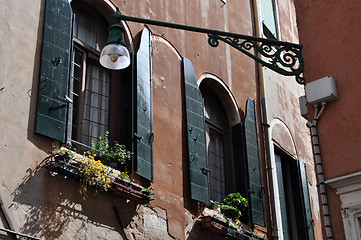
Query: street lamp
pixel 282 57
pixel 115 54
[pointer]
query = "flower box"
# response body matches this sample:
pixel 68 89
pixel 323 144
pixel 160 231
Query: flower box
pixel 220 227
pixel 213 224
pixel 118 186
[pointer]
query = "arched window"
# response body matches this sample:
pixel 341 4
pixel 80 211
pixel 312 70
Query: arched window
pixel 217 129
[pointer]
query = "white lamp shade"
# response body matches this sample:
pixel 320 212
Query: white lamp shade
pixel 114 56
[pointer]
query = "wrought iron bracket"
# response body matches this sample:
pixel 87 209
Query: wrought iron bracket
pixel 282 57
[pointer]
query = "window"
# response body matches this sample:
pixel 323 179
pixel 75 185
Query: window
pixel 216 142
pixel 268 19
pixel 90 82
pixel 226 170
pixel 79 99
pixel 294 199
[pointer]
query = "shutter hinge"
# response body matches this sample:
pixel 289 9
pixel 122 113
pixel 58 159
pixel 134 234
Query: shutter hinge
pixel 138 137
pixel 150 137
pixel 56 61
pixel 205 170
pixel 65 99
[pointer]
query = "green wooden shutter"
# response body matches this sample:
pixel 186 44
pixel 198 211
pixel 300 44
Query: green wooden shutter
pixel 282 196
pixel 268 16
pixel 256 189
pixel 196 135
pixel 144 115
pixel 51 119
pixel 306 200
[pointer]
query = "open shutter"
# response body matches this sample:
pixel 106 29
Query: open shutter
pixel 256 189
pixel 196 135
pixel 51 119
pixel 282 196
pixel 306 200
pixel 144 113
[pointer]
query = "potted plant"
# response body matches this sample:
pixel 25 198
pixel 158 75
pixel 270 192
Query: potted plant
pixel 232 205
pixel 115 156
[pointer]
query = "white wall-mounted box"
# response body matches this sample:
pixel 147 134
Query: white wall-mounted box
pixel 303 106
pixel 321 90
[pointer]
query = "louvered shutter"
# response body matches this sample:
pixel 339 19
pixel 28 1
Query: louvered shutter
pixel 256 189
pixel 144 113
pixel 306 200
pixel 51 119
pixel 196 135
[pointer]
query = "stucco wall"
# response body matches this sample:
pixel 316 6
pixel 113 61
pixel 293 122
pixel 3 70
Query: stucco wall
pixel 328 32
pixel 49 206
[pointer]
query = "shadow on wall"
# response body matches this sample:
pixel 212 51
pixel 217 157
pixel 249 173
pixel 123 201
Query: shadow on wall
pixel 197 232
pixel 50 206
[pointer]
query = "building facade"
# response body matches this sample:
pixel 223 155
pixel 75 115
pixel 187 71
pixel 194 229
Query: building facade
pixel 201 122
pixel 333 53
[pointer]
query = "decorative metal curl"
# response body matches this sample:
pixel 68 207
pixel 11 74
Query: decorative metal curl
pixel 283 59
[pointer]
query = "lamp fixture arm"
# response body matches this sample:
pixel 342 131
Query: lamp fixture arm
pixel 282 57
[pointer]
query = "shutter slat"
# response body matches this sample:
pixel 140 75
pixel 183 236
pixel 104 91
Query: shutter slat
pixel 51 118
pixel 144 126
pixel 256 190
pixel 195 130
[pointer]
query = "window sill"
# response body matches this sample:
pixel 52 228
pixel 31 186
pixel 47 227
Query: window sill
pixel 119 186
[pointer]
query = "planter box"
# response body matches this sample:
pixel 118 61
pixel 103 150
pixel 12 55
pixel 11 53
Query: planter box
pixel 119 186
pixel 215 225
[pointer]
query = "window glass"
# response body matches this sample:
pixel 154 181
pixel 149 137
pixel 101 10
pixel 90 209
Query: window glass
pixel 90 85
pixel 89 26
pixel 268 19
pixel 216 131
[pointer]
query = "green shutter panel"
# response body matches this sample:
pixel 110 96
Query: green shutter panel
pixel 306 200
pixel 282 196
pixel 196 135
pixel 51 119
pixel 256 189
pixel 144 113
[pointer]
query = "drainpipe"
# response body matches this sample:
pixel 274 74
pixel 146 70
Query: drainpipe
pixel 319 170
pixel 272 229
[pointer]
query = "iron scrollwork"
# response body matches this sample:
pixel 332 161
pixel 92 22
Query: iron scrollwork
pixel 285 59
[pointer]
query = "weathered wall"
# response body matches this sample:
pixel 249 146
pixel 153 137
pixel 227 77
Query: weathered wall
pixel 328 32
pixel 49 206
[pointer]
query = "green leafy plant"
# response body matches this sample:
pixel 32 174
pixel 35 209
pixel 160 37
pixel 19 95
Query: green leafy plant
pixel 232 205
pixel 110 154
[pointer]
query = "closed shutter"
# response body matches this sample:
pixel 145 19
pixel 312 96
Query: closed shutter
pixel 256 189
pixel 196 135
pixel 282 197
pixel 144 112
pixel 51 119
pixel 306 200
